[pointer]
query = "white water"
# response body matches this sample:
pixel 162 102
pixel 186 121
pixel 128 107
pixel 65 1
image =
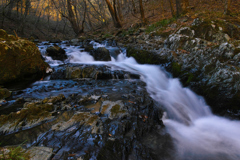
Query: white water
pixel 197 133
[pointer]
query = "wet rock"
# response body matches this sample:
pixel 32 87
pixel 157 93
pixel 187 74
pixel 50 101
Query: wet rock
pixel 90 71
pixel 36 153
pixel 101 54
pixel 30 115
pixel 99 124
pixel 4 93
pixel 75 42
pixel 20 60
pixel 55 41
pixel 57 53
pixel 113 109
pixel 143 56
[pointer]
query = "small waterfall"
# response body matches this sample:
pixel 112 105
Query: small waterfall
pixel 197 133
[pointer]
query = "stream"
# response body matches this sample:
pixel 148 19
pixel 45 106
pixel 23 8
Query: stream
pixel 196 133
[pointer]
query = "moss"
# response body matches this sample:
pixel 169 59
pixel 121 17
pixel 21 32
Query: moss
pixel 20 60
pixel 85 117
pixel 3 34
pixel 4 93
pixel 107 35
pixel 176 69
pixel 104 108
pixel 92 119
pixel 205 30
pixel 161 23
pixel 190 78
pixel 14 153
pixel 30 112
pixel 117 109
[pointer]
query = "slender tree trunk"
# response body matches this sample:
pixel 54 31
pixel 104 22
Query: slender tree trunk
pixel 142 12
pixel 227 7
pixel 134 7
pixel 10 7
pixel 119 8
pixel 172 8
pixel 115 18
pixel 161 4
pixel 72 19
pixel 179 7
pixel 89 20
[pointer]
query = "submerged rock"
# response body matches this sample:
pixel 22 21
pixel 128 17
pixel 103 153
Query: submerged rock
pixel 20 60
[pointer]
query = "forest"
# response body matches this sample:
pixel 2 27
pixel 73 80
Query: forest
pixel 48 19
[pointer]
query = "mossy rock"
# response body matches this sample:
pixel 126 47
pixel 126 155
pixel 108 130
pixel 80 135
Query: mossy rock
pixel 4 93
pixel 205 30
pixel 30 113
pixel 176 69
pixel 144 57
pixel 3 34
pixel 20 60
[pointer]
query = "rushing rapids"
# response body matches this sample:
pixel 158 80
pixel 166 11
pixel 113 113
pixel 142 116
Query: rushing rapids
pixel 197 133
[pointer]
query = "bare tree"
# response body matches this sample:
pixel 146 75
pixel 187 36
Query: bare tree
pixel 172 8
pixel 73 16
pixel 115 18
pixel 119 9
pixel 179 7
pixel 227 7
pixel 144 21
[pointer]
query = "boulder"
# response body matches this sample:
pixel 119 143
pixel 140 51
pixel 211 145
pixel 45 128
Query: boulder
pixel 57 53
pixel 4 93
pixel 88 47
pixel 101 54
pixel 20 59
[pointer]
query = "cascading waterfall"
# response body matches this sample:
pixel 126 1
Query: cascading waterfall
pixel 197 133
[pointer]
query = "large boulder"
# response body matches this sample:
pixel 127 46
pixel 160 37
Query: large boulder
pixel 101 54
pixel 57 53
pixel 20 59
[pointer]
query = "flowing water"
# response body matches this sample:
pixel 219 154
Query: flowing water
pixel 197 133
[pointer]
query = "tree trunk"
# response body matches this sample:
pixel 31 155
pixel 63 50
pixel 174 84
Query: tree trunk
pixel 27 7
pixel 172 8
pixel 72 19
pixel 185 5
pixel 134 7
pixel 227 7
pixel 115 18
pixel 10 7
pixel 119 8
pixel 142 12
pixel 179 7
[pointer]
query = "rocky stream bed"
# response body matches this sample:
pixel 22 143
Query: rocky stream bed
pixel 97 102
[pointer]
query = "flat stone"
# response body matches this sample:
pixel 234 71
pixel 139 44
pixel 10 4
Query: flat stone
pixel 37 153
